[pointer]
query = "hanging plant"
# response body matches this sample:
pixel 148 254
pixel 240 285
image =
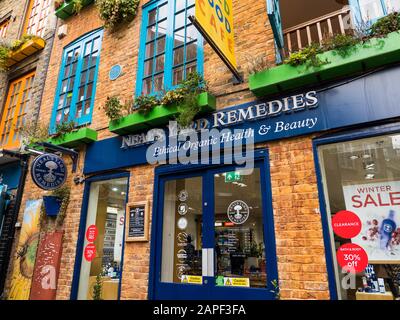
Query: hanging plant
pixel 115 12
pixel 32 132
pixel 64 194
pixel 4 55
pixel 144 104
pixel 64 128
pixel 6 49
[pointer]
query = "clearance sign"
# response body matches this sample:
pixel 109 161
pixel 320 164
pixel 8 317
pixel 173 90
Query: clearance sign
pixel 214 20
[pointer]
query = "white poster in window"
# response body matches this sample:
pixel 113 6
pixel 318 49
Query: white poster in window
pixel 119 235
pixel 378 207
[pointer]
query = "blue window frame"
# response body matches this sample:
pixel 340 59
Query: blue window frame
pixel 170 46
pixel 77 81
pixel 372 10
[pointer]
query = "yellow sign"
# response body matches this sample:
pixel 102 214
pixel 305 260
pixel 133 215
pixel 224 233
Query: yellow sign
pixel 237 282
pixel 214 19
pixel 192 279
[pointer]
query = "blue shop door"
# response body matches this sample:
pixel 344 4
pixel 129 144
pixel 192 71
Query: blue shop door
pixel 215 236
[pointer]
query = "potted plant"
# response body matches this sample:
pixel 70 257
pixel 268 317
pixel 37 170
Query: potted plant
pixel 52 205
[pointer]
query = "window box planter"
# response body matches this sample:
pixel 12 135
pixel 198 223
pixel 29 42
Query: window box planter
pixel 27 49
pixel 52 205
pixel 159 116
pixel 75 138
pixel 66 10
pixel 372 54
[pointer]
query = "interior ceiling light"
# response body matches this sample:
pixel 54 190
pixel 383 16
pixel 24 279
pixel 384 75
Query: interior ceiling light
pixel 366 156
pixel 115 189
pixel 369 176
pixel 370 166
pixel 354 157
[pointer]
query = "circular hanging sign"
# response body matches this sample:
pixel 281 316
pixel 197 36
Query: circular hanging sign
pixel 91 233
pixel 90 252
pixel 183 209
pixel 346 224
pixel 49 171
pixel 238 212
pixel 182 223
pixel 352 258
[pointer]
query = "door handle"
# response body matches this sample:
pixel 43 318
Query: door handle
pixel 208 262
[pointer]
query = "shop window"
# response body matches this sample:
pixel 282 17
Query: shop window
pixel 361 182
pixel 4 27
pixel 171 47
pixel 15 110
pixel 37 17
pixel 101 267
pixel 77 81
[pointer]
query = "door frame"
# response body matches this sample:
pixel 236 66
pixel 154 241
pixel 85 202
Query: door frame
pixel 330 138
pixel 82 229
pixel 260 155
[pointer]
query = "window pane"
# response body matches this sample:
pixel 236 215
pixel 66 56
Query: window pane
pixel 152 16
pixel 191 51
pixel 182 230
pixel 371 9
pixel 160 63
pixel 178 56
pixel 161 45
pixel 362 177
pixel 191 33
pixel 191 67
pixel 146 86
pixel 151 33
pixel 179 38
pixel 178 75
pixel 180 20
pixel 162 28
pixel 158 82
pixel 239 233
pixel 162 12
pixel 148 67
pixel 392 5
pixel 149 50
pixel 180 4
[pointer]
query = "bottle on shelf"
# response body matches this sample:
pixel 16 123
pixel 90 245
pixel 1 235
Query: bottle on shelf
pixel 386 231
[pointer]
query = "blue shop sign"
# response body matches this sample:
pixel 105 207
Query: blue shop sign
pixel 48 171
pixel 372 98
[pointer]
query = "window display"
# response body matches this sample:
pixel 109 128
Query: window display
pixel 101 268
pixel 361 181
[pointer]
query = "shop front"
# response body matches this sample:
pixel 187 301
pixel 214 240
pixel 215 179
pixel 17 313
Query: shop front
pixel 212 229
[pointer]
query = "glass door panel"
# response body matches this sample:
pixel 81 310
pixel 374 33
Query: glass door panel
pixel 239 236
pixel 101 268
pixel 182 232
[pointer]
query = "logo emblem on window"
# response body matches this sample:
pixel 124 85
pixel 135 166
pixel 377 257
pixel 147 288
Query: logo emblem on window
pixel 49 171
pixel 238 212
pixel 183 196
pixel 183 209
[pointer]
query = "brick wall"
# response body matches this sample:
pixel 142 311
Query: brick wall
pixel 301 260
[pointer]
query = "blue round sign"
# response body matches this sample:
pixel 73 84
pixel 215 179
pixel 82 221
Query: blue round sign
pixel 49 171
pixel 115 72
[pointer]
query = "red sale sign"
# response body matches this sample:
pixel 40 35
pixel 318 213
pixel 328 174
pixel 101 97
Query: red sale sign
pixel 352 258
pixel 91 233
pixel 90 252
pixel 346 224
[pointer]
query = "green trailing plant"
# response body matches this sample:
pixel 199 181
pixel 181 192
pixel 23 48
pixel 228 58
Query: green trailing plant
pixel 192 86
pixel 307 56
pixel 64 194
pixel 33 132
pixel 343 44
pixel 145 103
pixel 4 55
pixel 113 108
pixel 16 44
pixel 64 128
pixel 173 96
pixel 115 12
pixel 276 289
pixel 386 25
pixel 98 288
pixel 77 6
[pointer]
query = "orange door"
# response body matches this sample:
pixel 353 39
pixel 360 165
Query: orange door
pixel 15 110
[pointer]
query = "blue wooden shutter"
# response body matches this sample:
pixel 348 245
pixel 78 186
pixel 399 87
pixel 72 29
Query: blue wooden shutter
pixel 274 16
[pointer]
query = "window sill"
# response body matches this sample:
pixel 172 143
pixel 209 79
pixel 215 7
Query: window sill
pixel 27 49
pixel 159 116
pixel 372 54
pixel 67 9
pixel 75 138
